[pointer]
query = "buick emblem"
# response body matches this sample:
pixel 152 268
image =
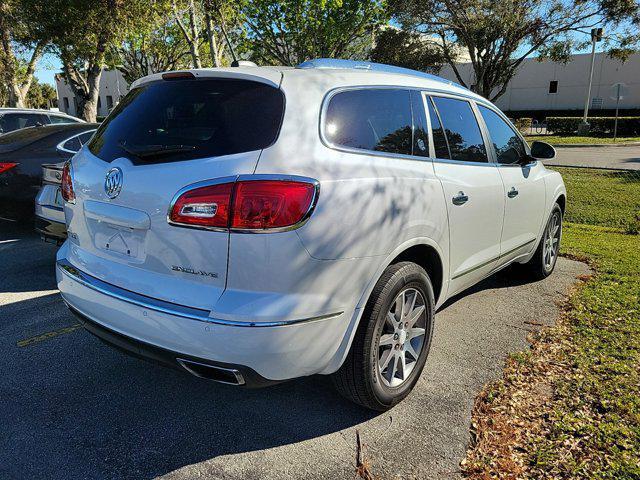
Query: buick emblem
pixel 113 182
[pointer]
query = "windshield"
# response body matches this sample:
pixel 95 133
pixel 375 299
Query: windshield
pixel 183 119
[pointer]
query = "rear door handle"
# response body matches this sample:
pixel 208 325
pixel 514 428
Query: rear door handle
pixel 460 198
pixel 512 193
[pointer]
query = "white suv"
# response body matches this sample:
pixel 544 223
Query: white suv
pixel 252 225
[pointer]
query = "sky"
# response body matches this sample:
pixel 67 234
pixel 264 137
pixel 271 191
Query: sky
pixel 47 68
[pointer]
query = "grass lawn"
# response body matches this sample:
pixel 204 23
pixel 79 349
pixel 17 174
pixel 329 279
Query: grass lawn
pixel 603 197
pixel 561 140
pixel 570 406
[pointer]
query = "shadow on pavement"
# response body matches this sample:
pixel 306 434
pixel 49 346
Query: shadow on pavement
pixel 71 404
pixel 76 406
pixel 511 276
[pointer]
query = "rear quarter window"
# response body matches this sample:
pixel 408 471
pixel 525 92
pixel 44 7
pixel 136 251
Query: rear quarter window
pixel 370 119
pixel 177 120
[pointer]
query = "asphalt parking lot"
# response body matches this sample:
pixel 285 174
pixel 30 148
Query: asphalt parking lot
pixel 70 407
pixel 624 157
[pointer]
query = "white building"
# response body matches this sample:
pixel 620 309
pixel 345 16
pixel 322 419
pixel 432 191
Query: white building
pixel 547 85
pixel 113 87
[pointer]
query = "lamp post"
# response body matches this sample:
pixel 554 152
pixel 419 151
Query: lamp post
pixel 596 36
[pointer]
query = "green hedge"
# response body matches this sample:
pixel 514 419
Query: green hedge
pixel 627 126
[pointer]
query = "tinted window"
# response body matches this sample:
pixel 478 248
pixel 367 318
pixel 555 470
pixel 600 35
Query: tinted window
pixel 370 119
pixel 507 144
pixel 462 130
pixel 86 136
pixel 73 144
pixel 185 119
pixel 14 121
pixel 420 136
pixel 59 119
pixel 439 140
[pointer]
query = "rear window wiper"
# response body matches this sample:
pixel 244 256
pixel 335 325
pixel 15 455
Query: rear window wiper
pixel 155 150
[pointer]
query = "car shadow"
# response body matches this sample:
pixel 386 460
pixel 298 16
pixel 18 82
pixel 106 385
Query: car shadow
pixel 511 276
pixel 70 403
pixel 27 262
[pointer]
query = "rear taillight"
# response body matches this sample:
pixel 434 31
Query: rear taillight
pixel 246 204
pixel 205 206
pixel 67 184
pixel 5 166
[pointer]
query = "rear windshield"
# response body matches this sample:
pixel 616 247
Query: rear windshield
pixel 177 120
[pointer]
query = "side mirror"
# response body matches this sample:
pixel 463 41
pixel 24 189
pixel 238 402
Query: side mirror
pixel 542 150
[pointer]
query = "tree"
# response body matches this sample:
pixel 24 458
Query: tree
pixel 223 22
pixel 18 34
pixel 155 46
pixel 291 31
pixel 81 34
pixel 407 49
pixel 192 32
pixel 41 95
pixel 499 35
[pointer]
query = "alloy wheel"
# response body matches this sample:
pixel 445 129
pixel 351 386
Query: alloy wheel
pixel 551 241
pixel 402 337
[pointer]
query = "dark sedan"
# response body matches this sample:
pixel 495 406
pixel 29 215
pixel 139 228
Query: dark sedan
pixel 22 154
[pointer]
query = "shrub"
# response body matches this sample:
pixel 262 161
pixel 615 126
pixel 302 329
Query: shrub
pixel 599 126
pixel 523 124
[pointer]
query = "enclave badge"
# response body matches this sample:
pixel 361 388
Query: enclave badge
pixel 113 182
pixel 177 268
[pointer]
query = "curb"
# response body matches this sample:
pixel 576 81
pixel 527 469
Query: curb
pixel 596 145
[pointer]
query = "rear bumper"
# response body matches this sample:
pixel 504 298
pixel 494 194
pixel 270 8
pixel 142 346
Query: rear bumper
pixel 226 373
pixel 263 352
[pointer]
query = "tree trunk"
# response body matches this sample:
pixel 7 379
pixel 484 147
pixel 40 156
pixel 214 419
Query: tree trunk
pixel 195 50
pixel 17 89
pixel 89 104
pixel 213 45
pixel 191 37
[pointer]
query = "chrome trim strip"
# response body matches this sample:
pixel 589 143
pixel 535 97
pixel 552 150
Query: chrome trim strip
pixel 484 264
pixel 248 178
pixel 61 148
pixel 52 207
pixel 169 308
pixel 236 373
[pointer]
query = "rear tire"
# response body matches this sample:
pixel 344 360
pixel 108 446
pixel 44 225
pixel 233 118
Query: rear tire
pixel 544 260
pixel 392 341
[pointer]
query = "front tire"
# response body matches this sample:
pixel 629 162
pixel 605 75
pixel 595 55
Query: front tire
pixel 544 260
pixel 392 341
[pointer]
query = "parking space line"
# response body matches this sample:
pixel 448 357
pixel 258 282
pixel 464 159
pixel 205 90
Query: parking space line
pixel 46 336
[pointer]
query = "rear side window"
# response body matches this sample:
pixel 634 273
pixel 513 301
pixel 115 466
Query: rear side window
pixel 73 144
pixel 370 119
pixel 15 121
pixel 86 136
pixel 461 129
pixel 60 119
pixel 506 142
pixel 177 120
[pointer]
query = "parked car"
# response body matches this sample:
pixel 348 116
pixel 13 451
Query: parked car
pixel 22 154
pixel 16 118
pixel 248 240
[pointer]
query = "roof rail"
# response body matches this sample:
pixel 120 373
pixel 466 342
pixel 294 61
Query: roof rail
pixel 337 63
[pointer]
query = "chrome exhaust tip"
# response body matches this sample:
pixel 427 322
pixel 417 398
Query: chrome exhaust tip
pixel 229 376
